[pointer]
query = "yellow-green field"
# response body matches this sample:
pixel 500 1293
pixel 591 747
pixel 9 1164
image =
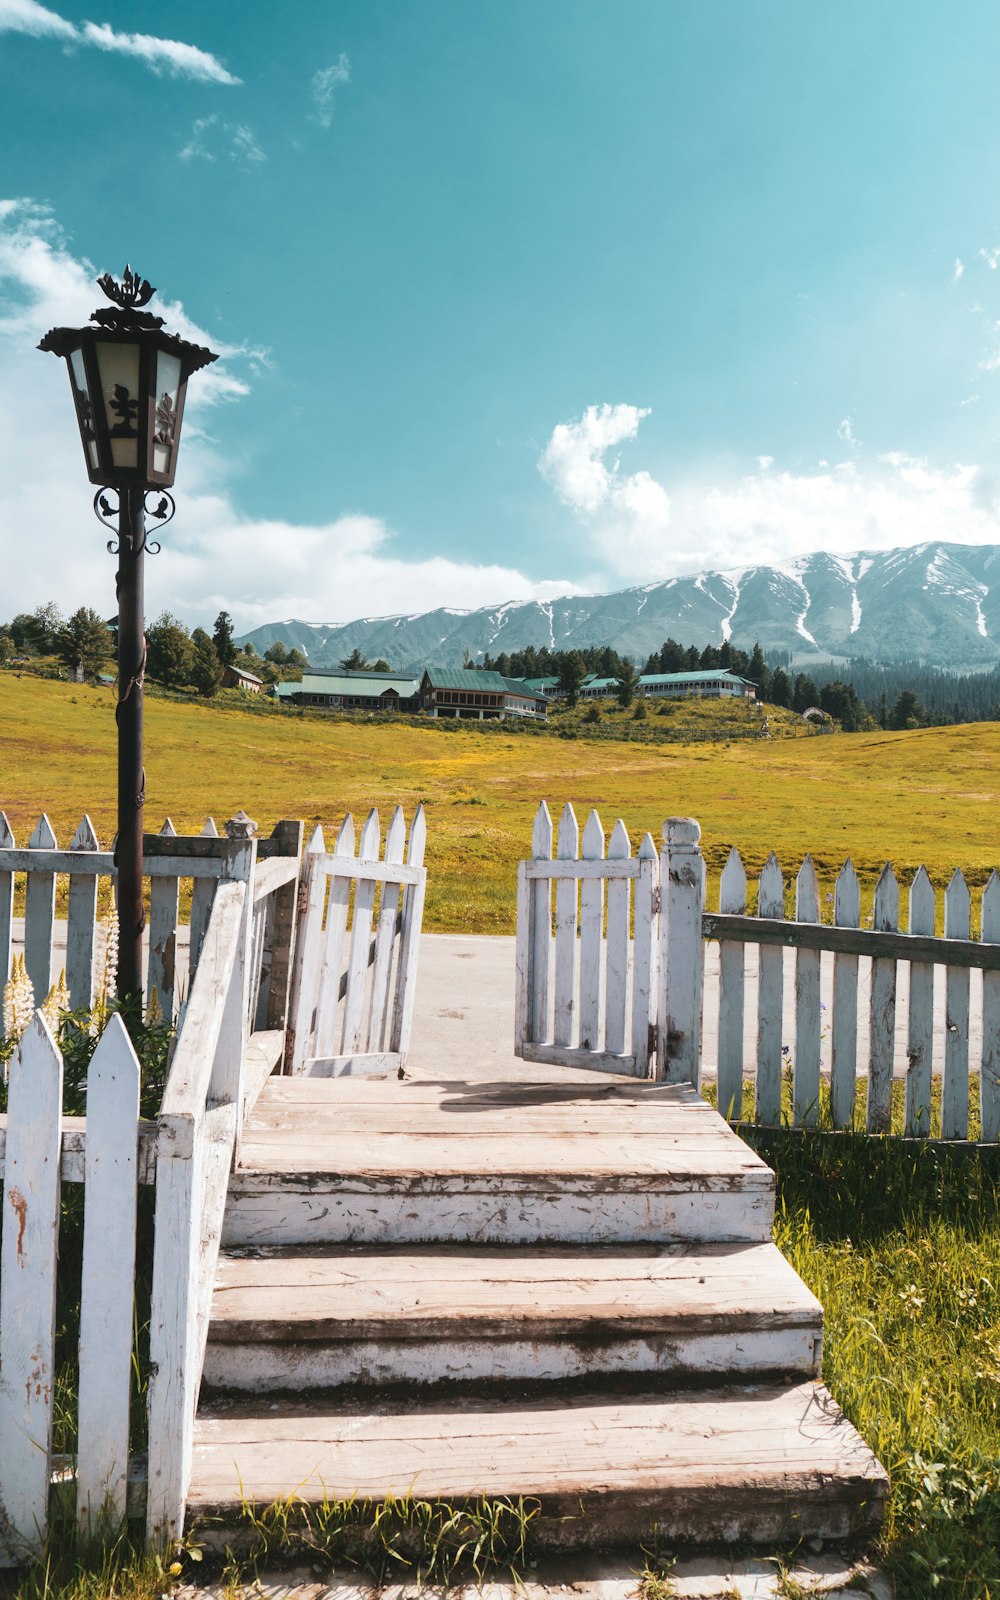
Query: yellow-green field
pixel 925 796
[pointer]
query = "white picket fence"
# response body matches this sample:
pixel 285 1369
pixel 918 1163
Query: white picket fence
pixel 892 959
pixel 573 973
pixel 580 1000
pixel 39 1150
pixel 356 959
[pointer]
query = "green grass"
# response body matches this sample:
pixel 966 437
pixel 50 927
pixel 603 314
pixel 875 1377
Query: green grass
pixel 924 796
pixel 902 1246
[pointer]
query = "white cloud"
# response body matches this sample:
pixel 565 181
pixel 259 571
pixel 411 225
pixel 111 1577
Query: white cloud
pixel 959 271
pixel 628 513
pixel 212 137
pixel 160 55
pixel 768 515
pixel 213 556
pixel 324 82
pixel 991 257
pixel 27 16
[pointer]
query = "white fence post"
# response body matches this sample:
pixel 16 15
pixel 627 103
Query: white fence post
pixel 682 896
pixel 955 1083
pixel 990 1078
pixel 732 899
pixel 302 1002
pixel 920 1034
pixel 81 918
pixel 39 914
pixel 882 1009
pixel 645 950
pixel 567 849
pixel 591 937
pixel 844 1025
pixel 108 1282
pixel 805 1092
pixel 28 1256
pixel 770 994
pixel 616 985
pixel 164 895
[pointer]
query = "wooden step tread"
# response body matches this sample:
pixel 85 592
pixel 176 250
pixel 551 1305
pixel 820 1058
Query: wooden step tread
pixel 354 1126
pixel 352 1292
pixel 742 1462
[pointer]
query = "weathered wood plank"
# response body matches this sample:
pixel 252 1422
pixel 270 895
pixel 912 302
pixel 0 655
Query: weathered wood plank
pixel 990 1080
pixel 805 1090
pixel 288 838
pixel 565 1016
pixel 28 1256
pixel 202 895
pixel 6 905
pixel 409 939
pixel 557 871
pixel 732 900
pixel 920 1029
pixel 682 891
pixel 108 1280
pixel 39 914
pixel 164 903
pixel 844 1022
pixel 272 874
pixel 194 1062
pixel 539 929
pixel 616 954
pixel 882 1008
pixel 770 987
pixel 592 938
pixel 81 918
pixel 302 997
pixel 955 1084
pixel 645 974
pixel 861 941
pixel 331 959
pixel 385 937
pixel 355 1032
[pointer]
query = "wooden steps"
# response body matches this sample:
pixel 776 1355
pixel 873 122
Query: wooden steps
pixel 756 1463
pixel 304 1318
pixel 383 1162
pixel 559 1291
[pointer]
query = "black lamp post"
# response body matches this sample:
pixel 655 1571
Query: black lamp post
pixel 129 379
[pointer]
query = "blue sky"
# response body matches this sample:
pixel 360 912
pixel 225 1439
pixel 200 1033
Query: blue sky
pixel 514 298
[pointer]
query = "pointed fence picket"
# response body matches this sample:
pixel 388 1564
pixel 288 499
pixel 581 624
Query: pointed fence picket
pixel 38 1151
pixel 585 992
pixel 351 1006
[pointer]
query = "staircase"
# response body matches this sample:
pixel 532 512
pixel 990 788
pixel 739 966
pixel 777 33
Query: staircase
pixel 558 1291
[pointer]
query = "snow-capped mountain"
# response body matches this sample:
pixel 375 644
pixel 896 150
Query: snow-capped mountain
pixel 938 602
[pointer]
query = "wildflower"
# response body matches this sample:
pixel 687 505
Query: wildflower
pixel 18 1000
pixel 911 1298
pixel 56 1001
pixel 109 971
pixel 154 1010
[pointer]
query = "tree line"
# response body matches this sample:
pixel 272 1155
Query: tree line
pixel 176 657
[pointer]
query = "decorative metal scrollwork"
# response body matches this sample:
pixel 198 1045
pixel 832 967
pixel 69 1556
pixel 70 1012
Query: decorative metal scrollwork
pixel 162 511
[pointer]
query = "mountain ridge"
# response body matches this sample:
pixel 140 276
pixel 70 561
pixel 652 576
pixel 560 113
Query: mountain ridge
pixel 936 601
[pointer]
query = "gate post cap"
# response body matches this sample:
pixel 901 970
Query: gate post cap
pixel 682 831
pixel 241 827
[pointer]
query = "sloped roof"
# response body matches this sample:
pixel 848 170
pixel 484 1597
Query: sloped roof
pixel 706 675
pixel 465 678
pixel 369 684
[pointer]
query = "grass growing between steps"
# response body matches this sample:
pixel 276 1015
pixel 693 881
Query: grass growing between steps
pixel 395 1539
pixel 902 1246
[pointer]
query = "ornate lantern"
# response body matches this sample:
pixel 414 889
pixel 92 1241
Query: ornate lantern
pixel 128 379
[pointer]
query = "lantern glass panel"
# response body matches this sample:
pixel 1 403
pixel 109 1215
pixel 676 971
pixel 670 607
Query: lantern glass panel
pixel 84 406
pixel 119 368
pixel 168 384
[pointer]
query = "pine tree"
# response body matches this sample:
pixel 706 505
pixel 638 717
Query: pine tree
pixel 206 671
pixel 222 638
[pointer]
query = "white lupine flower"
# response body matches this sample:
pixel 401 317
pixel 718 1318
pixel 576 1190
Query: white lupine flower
pixel 56 1002
pixel 18 1000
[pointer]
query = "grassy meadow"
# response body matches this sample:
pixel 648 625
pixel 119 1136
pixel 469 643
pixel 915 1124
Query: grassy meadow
pixel 929 795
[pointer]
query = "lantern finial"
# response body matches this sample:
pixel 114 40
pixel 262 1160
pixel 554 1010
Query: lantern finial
pixel 132 291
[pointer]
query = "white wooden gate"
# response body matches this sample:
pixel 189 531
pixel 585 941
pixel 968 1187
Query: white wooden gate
pixel 580 1000
pixel 356 951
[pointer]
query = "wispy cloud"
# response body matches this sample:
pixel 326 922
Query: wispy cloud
pixel 212 137
pixel 322 87
pixel 160 55
pixel 991 258
pixel 959 271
